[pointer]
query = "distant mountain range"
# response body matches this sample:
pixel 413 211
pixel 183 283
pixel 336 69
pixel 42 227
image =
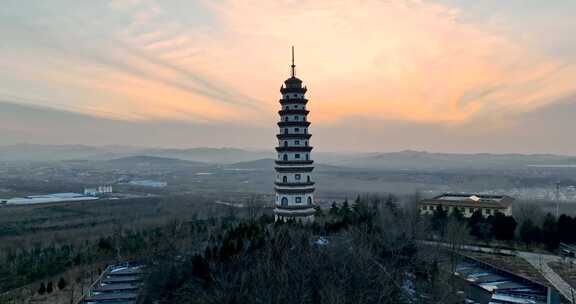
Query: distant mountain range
pixel 240 158
pixel 425 160
pixel 267 164
pixel 141 160
pixel 41 153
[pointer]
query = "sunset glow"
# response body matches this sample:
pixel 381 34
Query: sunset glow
pixel 426 62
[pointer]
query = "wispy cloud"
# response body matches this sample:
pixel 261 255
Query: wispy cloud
pixel 399 60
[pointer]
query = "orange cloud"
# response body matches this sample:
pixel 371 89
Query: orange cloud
pixel 397 60
pixel 407 60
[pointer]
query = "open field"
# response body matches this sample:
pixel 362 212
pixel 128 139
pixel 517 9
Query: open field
pixel 41 242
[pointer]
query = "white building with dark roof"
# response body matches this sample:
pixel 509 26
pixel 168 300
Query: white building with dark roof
pixel 467 204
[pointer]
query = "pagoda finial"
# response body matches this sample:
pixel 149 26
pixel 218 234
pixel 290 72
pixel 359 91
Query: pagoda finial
pixel 293 65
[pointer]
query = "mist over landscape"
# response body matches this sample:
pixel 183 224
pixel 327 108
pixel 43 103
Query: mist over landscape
pixel 529 177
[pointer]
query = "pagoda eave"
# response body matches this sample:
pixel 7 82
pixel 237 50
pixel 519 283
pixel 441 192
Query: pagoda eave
pixel 294 213
pixel 294 162
pixel 294 169
pixel 293 112
pixel 294 149
pixel 293 124
pixel 294 191
pixel 294 136
pixel 301 90
pixel 307 184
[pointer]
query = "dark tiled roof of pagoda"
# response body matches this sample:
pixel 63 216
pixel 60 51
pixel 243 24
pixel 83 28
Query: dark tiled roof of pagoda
pixel 294 169
pixel 305 184
pixel 294 162
pixel 295 207
pixel 289 101
pixel 294 149
pixel 285 90
pixel 293 81
pixel 293 112
pixel 282 211
pixel 294 136
pixel 293 123
pixel 294 191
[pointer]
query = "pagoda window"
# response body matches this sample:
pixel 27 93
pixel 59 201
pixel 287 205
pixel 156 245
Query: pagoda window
pixel 286 118
pixel 295 117
pixel 297 142
pixel 296 129
pixel 286 131
pixel 305 131
pixel 285 143
pixel 297 176
pixel 307 157
pixel 285 157
pixel 285 179
pixel 298 200
pixel 296 155
pixel 309 200
pixel 284 201
pixel 308 178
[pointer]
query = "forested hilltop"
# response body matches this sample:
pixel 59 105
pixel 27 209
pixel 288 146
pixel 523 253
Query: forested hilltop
pixel 363 252
pixel 368 250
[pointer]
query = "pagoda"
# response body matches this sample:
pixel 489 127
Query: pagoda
pixel 294 185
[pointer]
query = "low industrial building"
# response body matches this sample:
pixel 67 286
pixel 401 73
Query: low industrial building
pixel 98 191
pixel 488 284
pixel 148 183
pixel 48 198
pixel 467 204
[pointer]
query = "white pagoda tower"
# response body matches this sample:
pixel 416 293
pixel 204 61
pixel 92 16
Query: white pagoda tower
pixel 294 165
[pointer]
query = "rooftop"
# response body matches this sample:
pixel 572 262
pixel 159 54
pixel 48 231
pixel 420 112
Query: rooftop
pixel 471 199
pixel 503 287
pixel 119 284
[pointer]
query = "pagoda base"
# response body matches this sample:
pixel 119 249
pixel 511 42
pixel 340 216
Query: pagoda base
pixel 299 215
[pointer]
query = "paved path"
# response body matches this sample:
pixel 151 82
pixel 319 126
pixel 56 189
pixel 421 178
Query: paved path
pixel 537 260
pixel 540 262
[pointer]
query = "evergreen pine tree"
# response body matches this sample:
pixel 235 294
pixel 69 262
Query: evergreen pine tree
pixel 550 232
pixel 334 209
pixel 42 289
pixel 62 283
pixel 529 232
pixel 318 210
pixel 391 203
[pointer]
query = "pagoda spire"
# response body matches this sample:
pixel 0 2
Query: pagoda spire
pixel 293 65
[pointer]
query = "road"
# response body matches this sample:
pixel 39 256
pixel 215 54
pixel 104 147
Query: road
pixel 540 262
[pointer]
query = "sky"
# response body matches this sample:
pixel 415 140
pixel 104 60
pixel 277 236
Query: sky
pixel 383 75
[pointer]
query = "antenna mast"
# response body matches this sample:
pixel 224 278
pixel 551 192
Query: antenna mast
pixel 293 65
